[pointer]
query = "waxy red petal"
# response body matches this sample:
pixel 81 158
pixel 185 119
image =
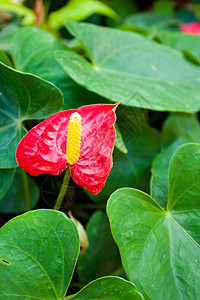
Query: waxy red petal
pixel 43 149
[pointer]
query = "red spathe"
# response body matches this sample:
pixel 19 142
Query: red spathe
pixel 43 148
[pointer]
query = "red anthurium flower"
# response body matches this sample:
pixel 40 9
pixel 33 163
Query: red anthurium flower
pixel 192 28
pixel 82 139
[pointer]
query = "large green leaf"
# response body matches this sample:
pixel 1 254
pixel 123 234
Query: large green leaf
pixel 159 248
pixel 109 288
pixel 6 178
pixel 146 74
pixel 102 256
pixel 33 50
pixel 79 10
pixel 38 253
pixel 22 97
pixel 15 200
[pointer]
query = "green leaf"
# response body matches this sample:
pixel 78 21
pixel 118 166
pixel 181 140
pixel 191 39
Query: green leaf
pixel 22 97
pixel 38 253
pixel 184 179
pixel 162 243
pixel 4 58
pixel 6 179
pixel 102 256
pixel 33 50
pixel 187 43
pixel 14 201
pixel 6 34
pixel 180 125
pixel 119 143
pixel 18 9
pixel 79 10
pixel 177 130
pixel 138 72
pixel 160 168
pixel 109 288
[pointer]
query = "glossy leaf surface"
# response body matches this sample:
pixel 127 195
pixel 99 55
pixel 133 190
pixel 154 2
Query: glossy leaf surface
pixel 162 244
pixel 22 97
pixel 27 244
pixel 118 72
pixel 108 288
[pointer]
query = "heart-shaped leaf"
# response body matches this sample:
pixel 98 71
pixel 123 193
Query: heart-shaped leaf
pixel 102 256
pixel 15 201
pixel 22 97
pixel 109 288
pixel 139 72
pixel 38 253
pixel 159 248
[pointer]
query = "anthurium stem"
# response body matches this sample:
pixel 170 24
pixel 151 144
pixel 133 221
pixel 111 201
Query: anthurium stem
pixel 63 189
pixel 26 189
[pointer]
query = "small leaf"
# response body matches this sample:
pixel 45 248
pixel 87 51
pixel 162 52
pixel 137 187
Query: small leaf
pixel 38 253
pixel 109 287
pixel 119 143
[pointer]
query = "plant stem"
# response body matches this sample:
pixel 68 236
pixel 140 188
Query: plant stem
pixel 26 189
pixel 63 189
